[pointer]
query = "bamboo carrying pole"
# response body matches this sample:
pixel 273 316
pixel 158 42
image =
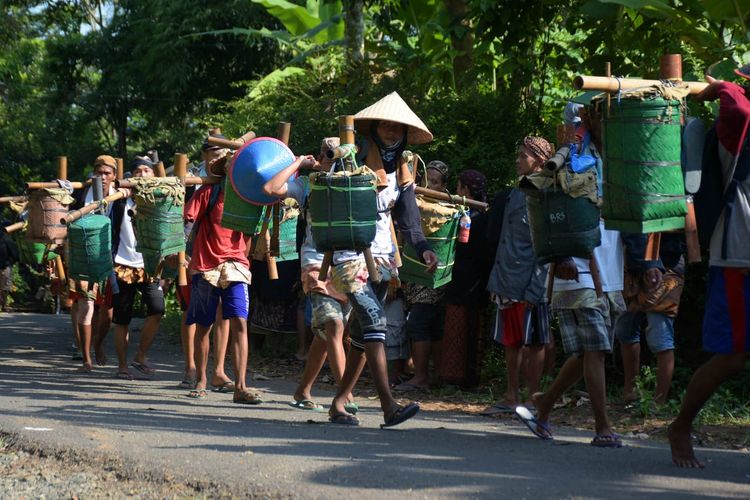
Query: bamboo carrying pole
pixel 159 170
pixel 120 168
pixel 62 174
pixel 231 144
pixel 59 268
pixel 12 228
pixel 62 167
pixel 614 84
pixel 180 171
pixel 11 199
pixel 453 198
pixel 52 185
pixel 189 181
pixel 74 215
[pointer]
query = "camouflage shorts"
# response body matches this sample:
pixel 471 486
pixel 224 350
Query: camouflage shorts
pixel 325 309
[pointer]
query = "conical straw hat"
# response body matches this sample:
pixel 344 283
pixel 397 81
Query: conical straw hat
pixel 393 109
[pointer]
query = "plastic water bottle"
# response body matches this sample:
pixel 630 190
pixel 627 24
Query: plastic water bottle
pixel 464 228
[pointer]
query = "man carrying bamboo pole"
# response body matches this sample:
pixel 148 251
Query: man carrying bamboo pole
pixel 586 324
pixel 220 271
pixel 726 328
pixel 132 278
pixel 389 125
pixel 220 381
pixel 85 296
pixel 330 307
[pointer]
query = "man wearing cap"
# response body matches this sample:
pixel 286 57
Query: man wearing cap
pixel 219 380
pixel 726 325
pixel 220 273
pixel 425 323
pixel 132 278
pixel 388 125
pixel 83 294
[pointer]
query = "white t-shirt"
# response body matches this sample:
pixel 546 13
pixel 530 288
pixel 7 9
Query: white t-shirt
pixel 126 254
pixel 383 245
pixel 610 257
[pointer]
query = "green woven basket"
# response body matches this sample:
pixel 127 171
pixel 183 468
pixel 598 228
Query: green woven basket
pixel 31 253
pixel 288 240
pixel 443 242
pixel 239 215
pixel 562 226
pixel 644 188
pixel 343 211
pixel 90 248
pixel 159 226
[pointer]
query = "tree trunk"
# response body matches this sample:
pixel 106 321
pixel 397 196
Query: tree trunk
pixel 354 31
pixel 462 40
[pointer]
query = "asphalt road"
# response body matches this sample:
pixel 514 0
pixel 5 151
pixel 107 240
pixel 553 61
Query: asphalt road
pixel 273 450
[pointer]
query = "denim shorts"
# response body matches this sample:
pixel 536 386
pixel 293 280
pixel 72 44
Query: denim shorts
pixel 204 299
pixel 659 330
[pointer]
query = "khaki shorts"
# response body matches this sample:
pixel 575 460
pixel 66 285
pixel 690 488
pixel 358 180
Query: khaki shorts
pixel 325 309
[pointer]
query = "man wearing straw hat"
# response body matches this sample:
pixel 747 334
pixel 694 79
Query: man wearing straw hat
pixel 131 278
pixel 726 323
pixel 387 126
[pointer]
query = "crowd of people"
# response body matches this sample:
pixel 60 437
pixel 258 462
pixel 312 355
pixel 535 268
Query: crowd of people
pixel 401 330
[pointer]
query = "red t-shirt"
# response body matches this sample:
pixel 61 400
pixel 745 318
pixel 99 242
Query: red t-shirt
pixel 213 244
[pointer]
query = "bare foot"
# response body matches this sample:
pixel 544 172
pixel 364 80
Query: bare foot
pixel 101 356
pixel 542 410
pixel 682 448
pixel 85 368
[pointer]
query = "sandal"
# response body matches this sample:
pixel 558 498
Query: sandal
pixel 539 428
pixel 247 397
pixel 144 368
pixel 198 394
pixel 86 368
pixel 124 375
pixel 343 419
pixel 401 415
pixel 607 441
pixel 306 404
pixel 351 407
pixel 187 383
pixel 224 388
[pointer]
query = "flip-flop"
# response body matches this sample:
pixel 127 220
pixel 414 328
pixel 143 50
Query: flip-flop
pixel 187 383
pixel 224 388
pixel 247 397
pixel 197 394
pixel 343 419
pixel 144 368
pixel 307 405
pixel 533 424
pixel 607 441
pixel 352 408
pixel 124 375
pixel 401 415
pixel 497 409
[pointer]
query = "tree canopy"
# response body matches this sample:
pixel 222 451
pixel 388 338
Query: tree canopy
pixel 83 77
